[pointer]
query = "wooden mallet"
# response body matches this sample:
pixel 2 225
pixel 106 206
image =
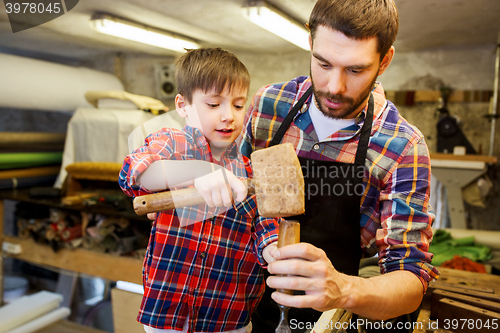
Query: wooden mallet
pixel 277 182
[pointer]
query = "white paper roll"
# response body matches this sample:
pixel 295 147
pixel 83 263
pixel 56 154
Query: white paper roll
pixel 27 308
pixel 41 85
pixel 43 321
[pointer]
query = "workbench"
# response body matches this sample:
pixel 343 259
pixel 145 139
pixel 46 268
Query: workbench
pixel 129 269
pixel 458 277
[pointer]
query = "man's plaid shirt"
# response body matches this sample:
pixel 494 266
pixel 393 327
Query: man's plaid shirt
pixel 395 217
pixel 200 262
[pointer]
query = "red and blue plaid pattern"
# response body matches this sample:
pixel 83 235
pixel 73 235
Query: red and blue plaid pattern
pixel 207 268
pixel 395 217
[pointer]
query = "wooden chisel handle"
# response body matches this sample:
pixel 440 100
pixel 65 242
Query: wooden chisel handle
pixel 289 233
pixel 160 201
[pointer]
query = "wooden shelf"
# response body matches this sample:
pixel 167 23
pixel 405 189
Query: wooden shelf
pixel 409 97
pixel 470 157
pixel 65 326
pixel 103 265
pixel 128 212
pixel 79 260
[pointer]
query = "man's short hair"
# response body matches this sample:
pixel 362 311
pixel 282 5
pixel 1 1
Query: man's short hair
pixel 358 19
pixel 209 69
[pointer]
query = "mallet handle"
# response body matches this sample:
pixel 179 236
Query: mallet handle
pixel 289 233
pixel 166 200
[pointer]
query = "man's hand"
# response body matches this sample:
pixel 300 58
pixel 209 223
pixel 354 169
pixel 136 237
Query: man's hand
pixel 312 272
pixel 216 187
pixel 381 297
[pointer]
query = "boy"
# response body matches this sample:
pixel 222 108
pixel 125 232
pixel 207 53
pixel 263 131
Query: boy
pixel 201 271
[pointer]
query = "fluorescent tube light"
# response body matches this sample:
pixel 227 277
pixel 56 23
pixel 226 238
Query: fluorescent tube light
pixel 117 27
pixel 271 19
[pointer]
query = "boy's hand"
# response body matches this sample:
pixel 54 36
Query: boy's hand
pixel 268 252
pixel 216 188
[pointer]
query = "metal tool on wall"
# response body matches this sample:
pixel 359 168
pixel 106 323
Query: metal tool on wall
pixel 289 233
pixel 449 132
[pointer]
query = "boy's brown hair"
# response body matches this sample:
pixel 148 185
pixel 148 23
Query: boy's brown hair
pixel 358 19
pixel 209 69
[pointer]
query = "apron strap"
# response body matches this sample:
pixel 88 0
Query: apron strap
pixel 289 118
pixel 364 137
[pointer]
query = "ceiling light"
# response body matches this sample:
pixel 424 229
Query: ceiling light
pixel 277 22
pixel 117 27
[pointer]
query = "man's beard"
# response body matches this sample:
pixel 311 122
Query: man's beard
pixel 353 104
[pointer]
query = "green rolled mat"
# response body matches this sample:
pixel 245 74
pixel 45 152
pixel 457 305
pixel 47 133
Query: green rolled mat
pixel 26 160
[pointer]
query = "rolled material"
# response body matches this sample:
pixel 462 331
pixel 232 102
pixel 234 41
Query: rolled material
pixel 26 309
pixel 31 141
pixel 30 172
pixel 41 85
pixel 43 321
pixel 25 160
pixel 109 171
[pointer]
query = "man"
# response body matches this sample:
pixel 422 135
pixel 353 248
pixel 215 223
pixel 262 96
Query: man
pixel 366 170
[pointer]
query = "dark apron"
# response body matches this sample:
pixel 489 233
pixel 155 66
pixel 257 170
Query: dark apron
pixel 332 217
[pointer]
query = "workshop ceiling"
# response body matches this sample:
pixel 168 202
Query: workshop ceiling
pixel 425 24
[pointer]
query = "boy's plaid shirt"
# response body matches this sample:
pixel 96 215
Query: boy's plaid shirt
pixel 395 217
pixel 201 262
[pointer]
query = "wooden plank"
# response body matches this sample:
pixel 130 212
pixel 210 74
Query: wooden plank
pixel 65 326
pixel 125 306
pixel 432 96
pixel 442 285
pixel 107 266
pixel 423 322
pixel 326 323
pixel 457 96
pixel 464 291
pixel 437 295
pixel 464 318
pixel 474 278
pixel 469 157
pixel 427 95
